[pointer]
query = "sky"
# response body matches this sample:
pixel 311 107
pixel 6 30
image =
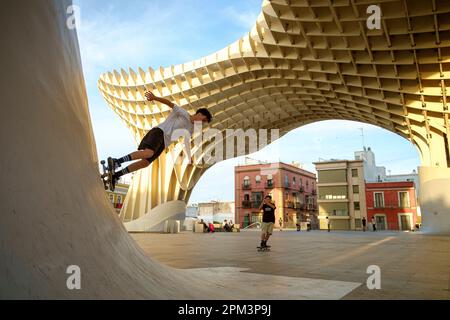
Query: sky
pixel 118 34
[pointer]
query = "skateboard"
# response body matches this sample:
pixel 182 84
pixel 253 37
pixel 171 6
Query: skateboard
pixel 263 249
pixel 108 173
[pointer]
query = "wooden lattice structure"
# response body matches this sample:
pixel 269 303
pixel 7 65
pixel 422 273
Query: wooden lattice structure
pixel 302 62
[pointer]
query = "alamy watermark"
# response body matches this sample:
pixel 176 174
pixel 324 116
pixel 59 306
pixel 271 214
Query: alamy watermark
pixel 374 280
pixel 374 20
pixel 73 17
pixel 213 145
pixel 73 282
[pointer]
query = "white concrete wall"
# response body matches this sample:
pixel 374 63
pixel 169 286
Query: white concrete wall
pixel 435 199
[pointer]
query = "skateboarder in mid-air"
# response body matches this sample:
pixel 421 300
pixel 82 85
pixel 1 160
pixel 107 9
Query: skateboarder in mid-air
pixel 158 138
pixel 268 208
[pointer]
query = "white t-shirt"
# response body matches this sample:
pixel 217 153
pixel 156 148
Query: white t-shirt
pixel 178 119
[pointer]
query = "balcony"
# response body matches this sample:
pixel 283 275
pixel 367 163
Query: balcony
pixel 287 185
pixel 246 186
pixel 297 205
pixel 256 204
pixel 337 213
pixel 391 207
pixel 333 197
pixel 246 204
pixel 269 185
pixel 290 204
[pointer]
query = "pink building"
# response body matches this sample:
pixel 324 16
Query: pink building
pixel 292 189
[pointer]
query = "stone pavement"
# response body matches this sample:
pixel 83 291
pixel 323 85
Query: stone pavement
pixel 413 265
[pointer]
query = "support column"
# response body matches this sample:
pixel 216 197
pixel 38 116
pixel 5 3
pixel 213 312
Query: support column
pixel 435 199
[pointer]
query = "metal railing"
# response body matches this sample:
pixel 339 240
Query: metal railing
pixel 254 224
pixel 246 204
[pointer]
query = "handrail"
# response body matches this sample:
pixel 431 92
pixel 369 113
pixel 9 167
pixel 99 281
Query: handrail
pixel 258 223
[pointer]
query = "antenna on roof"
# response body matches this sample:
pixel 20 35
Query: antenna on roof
pixel 362 135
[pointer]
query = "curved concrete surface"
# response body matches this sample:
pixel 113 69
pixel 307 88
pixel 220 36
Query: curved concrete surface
pixel 54 212
pixel 154 220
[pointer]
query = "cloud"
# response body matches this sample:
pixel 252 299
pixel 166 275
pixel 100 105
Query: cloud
pixel 245 19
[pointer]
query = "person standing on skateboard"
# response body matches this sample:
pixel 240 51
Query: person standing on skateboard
pixel 159 137
pixel 268 208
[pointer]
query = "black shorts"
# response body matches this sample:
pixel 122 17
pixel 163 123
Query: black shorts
pixel 154 140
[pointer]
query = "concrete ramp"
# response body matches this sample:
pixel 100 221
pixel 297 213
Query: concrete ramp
pixel 54 212
pixel 154 220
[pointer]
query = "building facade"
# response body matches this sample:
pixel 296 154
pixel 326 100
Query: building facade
pixel 292 189
pixel 117 197
pixel 216 211
pixel 341 194
pixel 372 172
pixel 392 204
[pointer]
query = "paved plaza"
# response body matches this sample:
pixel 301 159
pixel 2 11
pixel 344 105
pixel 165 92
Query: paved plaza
pixel 413 265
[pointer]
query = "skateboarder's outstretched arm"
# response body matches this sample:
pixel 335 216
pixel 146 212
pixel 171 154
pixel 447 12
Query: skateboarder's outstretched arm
pixel 151 97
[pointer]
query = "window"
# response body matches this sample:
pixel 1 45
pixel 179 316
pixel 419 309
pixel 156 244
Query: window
pixel 111 198
pixel 354 173
pixel 355 189
pixel 246 197
pixel 403 199
pixel 257 198
pixel 301 182
pixel 293 181
pixel 356 205
pixel 378 199
pixel 333 193
pixel 269 181
pixel 286 181
pixel 258 179
pixel 119 199
pixel 332 176
pixel 246 182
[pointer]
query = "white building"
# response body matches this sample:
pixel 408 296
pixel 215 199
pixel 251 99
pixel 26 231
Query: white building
pixel 372 173
pixel 212 211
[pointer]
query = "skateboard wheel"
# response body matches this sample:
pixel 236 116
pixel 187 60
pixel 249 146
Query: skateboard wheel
pixel 102 162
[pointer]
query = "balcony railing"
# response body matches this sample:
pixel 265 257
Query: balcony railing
pixel 390 206
pixel 246 186
pixel 246 204
pixel 297 205
pixel 287 185
pixel 336 213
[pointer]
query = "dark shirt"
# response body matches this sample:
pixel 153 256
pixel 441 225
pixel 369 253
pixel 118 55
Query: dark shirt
pixel 268 213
